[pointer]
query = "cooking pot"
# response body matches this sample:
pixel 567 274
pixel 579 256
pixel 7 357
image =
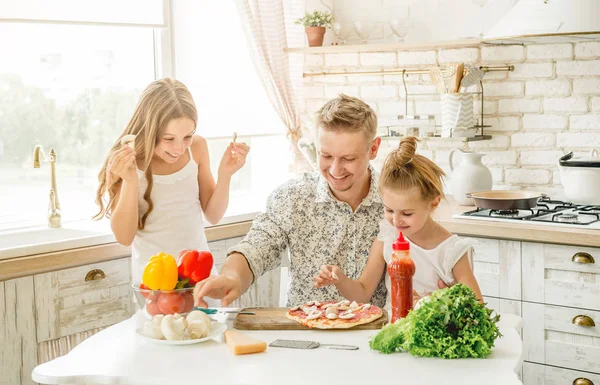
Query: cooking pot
pixel 505 199
pixel 580 178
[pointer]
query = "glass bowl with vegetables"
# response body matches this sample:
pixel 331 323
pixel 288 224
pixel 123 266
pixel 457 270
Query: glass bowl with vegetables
pixel 167 284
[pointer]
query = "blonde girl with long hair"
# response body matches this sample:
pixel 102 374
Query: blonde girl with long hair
pixel 411 189
pixel 158 193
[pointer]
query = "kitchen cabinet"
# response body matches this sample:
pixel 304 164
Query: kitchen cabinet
pixel 534 374
pixel 556 289
pixel 43 316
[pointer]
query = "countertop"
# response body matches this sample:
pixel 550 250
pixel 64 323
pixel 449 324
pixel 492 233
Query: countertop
pixel 519 231
pixel 118 356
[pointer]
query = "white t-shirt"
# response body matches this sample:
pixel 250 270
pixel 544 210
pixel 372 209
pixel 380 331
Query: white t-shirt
pixel 431 265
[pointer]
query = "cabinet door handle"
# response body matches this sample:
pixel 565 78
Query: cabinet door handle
pixel 582 257
pixel 583 320
pixel 582 381
pixel 94 275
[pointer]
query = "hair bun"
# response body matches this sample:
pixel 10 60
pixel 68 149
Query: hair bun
pixel 406 150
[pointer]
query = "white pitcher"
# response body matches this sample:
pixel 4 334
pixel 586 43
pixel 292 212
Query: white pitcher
pixel 470 176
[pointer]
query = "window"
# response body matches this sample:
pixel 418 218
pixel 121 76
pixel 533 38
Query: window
pixel 72 73
pixel 212 59
pixel 65 85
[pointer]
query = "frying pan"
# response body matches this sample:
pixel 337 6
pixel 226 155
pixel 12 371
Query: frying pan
pixel 505 199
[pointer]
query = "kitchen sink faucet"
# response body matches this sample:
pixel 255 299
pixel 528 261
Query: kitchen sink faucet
pixel 54 217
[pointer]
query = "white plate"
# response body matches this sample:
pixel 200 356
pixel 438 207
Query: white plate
pixel 216 329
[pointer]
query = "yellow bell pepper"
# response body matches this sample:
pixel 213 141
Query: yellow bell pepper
pixel 160 272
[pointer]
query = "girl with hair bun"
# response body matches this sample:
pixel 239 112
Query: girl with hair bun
pixel 411 187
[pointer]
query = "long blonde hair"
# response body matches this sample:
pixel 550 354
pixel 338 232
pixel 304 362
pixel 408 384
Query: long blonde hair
pixel 162 101
pixel 404 169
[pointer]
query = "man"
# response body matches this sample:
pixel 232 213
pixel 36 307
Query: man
pixel 327 217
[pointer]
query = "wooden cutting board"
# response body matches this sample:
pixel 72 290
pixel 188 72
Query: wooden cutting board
pixel 273 318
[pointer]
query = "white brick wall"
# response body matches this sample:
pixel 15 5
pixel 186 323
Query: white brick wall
pixel 586 86
pixel 544 122
pixel 464 55
pixel 558 87
pixel 585 122
pixel 549 51
pixel 416 58
pixel 578 68
pixel 527 176
pixel 511 53
pixel 587 50
pixel 548 106
pixel 574 104
pixel 532 70
pixel 507 106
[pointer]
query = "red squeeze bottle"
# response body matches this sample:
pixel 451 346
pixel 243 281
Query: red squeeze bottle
pixel 401 270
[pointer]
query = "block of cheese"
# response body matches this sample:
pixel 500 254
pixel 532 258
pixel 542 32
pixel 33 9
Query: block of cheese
pixel 242 344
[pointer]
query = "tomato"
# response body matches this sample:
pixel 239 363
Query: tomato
pixel 189 302
pixel 152 307
pixel 152 295
pixel 170 303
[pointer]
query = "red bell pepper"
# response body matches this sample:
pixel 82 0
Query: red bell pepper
pixel 194 265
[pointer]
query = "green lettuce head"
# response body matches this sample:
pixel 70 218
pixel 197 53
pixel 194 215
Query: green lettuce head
pixel 451 323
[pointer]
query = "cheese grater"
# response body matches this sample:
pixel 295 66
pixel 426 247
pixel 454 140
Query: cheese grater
pixel 300 344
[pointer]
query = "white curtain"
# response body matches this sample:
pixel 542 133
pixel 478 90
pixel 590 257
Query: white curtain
pixel 270 28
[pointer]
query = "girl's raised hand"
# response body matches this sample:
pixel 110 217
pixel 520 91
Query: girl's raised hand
pixel 328 275
pixel 233 159
pixel 122 164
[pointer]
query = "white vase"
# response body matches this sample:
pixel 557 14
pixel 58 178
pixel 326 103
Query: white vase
pixel 468 177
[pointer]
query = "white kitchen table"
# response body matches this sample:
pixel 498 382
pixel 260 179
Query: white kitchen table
pixel 117 355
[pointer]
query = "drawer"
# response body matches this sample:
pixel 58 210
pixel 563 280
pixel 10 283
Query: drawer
pixel 497 267
pixel 536 374
pixel 82 298
pixel 562 336
pixel 561 275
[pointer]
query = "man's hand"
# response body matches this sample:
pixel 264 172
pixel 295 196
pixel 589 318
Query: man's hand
pixel 221 287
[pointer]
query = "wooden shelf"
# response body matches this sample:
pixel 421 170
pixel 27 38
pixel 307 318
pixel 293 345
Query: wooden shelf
pixel 388 47
pixel 458 139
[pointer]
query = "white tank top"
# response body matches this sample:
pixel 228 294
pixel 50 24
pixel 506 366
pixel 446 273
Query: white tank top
pixel 176 222
pixel 431 265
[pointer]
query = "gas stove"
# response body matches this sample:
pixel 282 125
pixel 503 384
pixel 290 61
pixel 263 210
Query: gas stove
pixel 547 212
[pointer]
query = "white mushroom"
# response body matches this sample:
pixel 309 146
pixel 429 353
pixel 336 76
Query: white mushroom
pixel 310 309
pixel 173 328
pixel 310 303
pixel 198 329
pixel 295 308
pixel 366 306
pixel 328 305
pixel 331 310
pixel 128 140
pixel 197 315
pixel 343 307
pixel 354 305
pixel 346 315
pixel 331 316
pixel 344 302
pixel 152 327
pixel 314 315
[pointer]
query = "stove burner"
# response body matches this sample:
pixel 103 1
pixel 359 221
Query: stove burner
pixel 565 217
pixel 505 213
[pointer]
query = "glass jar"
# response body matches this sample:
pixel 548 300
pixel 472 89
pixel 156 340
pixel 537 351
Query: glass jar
pixel 418 125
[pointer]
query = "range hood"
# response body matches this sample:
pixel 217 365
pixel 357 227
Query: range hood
pixel 547 21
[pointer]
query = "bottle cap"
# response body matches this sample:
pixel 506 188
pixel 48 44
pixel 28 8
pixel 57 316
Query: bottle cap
pixel 400 243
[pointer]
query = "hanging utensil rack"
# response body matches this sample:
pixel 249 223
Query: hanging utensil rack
pixel 406 71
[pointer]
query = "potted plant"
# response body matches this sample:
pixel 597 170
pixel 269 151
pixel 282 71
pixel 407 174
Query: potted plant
pixel 315 24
